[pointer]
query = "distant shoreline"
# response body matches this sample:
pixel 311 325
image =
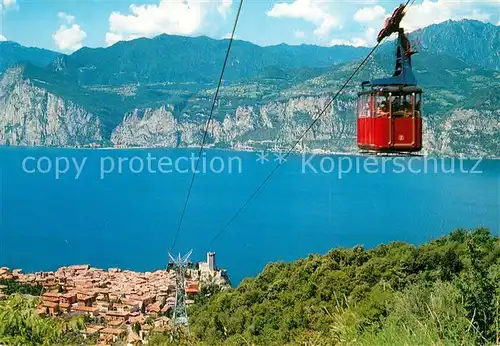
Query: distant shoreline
pixel 238 150
pixel 242 150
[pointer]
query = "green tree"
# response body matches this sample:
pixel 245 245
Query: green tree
pixel 20 325
pixel 137 328
pixel 445 291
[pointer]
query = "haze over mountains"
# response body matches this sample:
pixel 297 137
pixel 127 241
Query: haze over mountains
pixel 158 92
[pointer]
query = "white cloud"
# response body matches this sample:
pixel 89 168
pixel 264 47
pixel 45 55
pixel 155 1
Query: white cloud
pixel 228 36
pixel 371 35
pixel 225 7
pixel 370 14
pixel 308 10
pixel 9 5
pixel 368 39
pixel 2 38
pixel 299 34
pixel 181 17
pixel 112 38
pixel 474 14
pixel 326 26
pixel 66 17
pixel 434 12
pixel 69 38
pixel 355 42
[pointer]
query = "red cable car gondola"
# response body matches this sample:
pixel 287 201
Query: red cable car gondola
pixel 389 109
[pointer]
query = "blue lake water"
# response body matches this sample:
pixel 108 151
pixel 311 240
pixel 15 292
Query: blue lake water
pixel 128 220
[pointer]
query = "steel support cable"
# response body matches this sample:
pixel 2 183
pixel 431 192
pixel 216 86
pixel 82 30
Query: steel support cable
pixel 280 163
pixel 193 177
pixel 408 4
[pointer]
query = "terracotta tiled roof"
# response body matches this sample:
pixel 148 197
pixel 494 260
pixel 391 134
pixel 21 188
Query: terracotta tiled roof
pixel 50 304
pixel 40 310
pixel 85 308
pixel 117 313
pixel 154 308
pixel 162 320
pixel 130 302
pixel 133 337
pixel 95 326
pixel 51 294
pixel 91 329
pixel 137 319
pixel 112 331
pixel 115 323
pixel 106 339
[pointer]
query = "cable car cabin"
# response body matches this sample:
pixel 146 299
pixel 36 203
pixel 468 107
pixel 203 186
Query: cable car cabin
pixel 390 109
pixel 389 119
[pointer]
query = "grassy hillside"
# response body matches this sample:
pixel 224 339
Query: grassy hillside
pixel 472 41
pixel 191 59
pixel 445 292
pixel 12 53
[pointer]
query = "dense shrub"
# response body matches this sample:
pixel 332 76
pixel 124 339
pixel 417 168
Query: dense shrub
pixel 443 292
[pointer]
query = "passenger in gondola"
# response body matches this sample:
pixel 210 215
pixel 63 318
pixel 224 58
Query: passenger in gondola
pixel 407 106
pixel 397 107
pixel 418 105
pixel 383 108
pixel 406 109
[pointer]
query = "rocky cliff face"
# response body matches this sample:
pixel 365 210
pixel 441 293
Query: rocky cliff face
pixel 80 100
pixel 30 115
pixel 252 127
pixel 466 132
pixel 149 127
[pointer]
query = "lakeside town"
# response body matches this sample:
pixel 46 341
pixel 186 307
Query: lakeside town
pixel 122 305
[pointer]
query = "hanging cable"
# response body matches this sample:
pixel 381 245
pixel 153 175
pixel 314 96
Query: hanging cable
pixel 408 4
pixel 205 133
pixel 259 188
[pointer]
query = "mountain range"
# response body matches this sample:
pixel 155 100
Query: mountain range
pixel 158 92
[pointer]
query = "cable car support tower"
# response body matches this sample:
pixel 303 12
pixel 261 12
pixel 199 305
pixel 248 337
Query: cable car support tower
pixel 180 317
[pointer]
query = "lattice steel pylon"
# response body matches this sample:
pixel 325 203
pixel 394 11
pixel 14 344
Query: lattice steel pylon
pixel 180 317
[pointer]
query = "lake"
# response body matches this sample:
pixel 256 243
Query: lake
pixel 121 208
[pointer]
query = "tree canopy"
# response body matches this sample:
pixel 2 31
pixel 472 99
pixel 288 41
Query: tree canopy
pixel 443 292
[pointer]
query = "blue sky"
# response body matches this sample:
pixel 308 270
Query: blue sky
pixel 67 25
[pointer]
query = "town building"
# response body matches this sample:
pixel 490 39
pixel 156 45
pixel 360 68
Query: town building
pixel 117 299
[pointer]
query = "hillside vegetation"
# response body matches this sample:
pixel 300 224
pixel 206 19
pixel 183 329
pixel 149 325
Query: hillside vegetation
pixel 12 53
pixel 445 292
pixel 21 326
